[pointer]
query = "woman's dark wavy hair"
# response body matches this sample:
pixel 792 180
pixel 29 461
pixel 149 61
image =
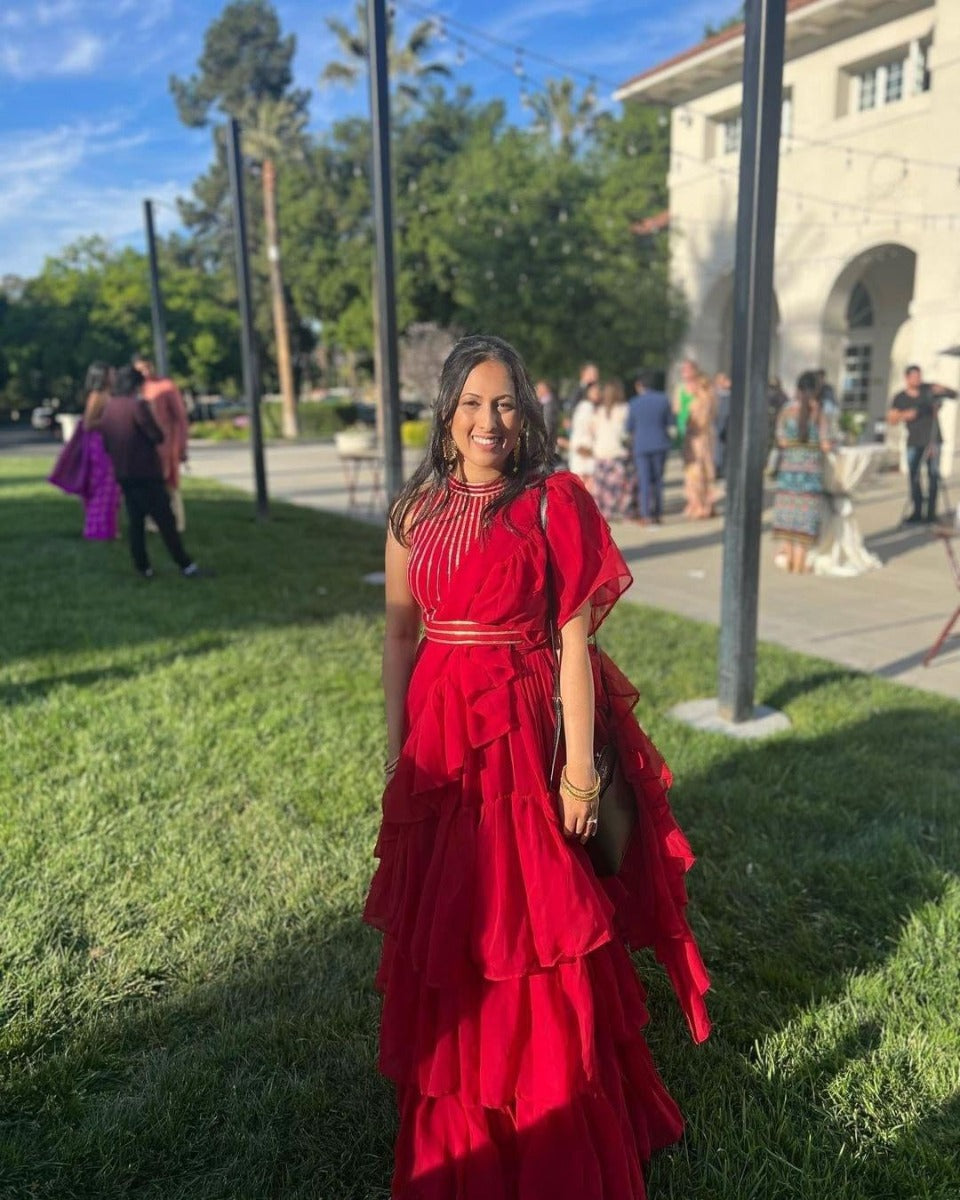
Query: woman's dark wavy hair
pixel 97 378
pixel 432 478
pixel 809 388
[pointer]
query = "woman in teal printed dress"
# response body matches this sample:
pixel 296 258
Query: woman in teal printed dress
pixel 803 435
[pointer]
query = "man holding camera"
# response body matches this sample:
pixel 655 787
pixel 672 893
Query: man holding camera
pixel 918 405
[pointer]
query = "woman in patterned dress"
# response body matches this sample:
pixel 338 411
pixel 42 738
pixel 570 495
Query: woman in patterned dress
pixel 512 1015
pixel 803 436
pixel 83 467
pixel 614 482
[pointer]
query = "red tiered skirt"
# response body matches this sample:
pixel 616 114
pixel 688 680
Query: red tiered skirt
pixel 512 1014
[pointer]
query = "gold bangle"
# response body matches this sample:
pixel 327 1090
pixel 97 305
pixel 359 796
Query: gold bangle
pixel 584 795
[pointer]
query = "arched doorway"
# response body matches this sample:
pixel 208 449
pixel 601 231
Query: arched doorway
pixel 864 327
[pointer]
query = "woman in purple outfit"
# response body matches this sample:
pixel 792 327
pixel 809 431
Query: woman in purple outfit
pixel 84 468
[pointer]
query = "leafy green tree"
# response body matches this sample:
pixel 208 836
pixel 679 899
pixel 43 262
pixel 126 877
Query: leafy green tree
pixel 244 61
pixel 245 71
pixel 91 302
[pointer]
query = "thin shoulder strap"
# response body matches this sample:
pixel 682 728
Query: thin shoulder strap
pixel 554 646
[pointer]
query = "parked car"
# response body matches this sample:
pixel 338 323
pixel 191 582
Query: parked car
pixel 44 418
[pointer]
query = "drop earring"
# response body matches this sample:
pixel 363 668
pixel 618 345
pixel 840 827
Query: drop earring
pixel 449 451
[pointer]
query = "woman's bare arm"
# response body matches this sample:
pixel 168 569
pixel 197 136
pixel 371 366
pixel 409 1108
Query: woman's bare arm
pixel 399 643
pixel 576 693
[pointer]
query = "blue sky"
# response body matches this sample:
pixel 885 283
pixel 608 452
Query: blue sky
pixel 88 127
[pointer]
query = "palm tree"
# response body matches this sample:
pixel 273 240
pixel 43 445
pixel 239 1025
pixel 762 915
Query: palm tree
pixel 406 68
pixel 406 63
pixel 274 128
pixel 561 115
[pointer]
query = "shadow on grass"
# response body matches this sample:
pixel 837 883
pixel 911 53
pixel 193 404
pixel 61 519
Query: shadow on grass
pixel 803 685
pixel 815 853
pixel 817 850
pixel 68 596
pixel 23 693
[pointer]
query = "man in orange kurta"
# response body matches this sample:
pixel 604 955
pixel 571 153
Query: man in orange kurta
pixel 170 413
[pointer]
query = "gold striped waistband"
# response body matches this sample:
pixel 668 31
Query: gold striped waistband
pixel 475 633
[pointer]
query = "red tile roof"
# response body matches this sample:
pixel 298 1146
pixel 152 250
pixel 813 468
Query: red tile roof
pixel 649 225
pixel 726 35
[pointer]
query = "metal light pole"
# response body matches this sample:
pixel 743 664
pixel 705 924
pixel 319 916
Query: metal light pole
pixel 251 374
pixel 388 374
pixel 156 300
pixel 752 304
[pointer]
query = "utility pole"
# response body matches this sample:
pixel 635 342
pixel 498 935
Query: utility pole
pixel 251 374
pixel 388 374
pixel 764 36
pixel 156 300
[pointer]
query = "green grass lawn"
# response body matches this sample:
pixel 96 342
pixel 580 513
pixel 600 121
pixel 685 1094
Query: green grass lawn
pixel 189 787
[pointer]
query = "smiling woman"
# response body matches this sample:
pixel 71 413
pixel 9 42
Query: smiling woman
pixel 512 1016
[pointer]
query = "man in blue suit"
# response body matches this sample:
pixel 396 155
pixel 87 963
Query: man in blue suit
pixel 648 424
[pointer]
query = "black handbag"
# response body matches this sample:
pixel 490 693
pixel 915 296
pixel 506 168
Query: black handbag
pixel 617 812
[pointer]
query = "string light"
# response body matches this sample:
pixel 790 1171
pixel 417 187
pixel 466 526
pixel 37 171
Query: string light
pixel 686 112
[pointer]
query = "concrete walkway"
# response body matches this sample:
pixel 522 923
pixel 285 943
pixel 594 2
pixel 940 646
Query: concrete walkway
pixel 882 622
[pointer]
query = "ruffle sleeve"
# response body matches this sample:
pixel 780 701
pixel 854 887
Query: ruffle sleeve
pixel 583 562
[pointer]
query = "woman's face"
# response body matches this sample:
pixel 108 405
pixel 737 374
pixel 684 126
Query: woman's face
pixel 485 426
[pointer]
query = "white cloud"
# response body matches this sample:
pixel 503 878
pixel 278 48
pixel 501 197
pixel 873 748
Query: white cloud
pixel 53 12
pixel 76 54
pixel 11 60
pixel 81 56
pixel 53 190
pixel 522 18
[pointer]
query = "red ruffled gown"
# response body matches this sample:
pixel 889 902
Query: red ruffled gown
pixel 512 1014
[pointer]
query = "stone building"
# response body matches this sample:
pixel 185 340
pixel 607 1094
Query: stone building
pixel 867 268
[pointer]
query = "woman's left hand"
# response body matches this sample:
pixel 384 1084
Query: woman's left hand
pixel 579 816
pixel 579 819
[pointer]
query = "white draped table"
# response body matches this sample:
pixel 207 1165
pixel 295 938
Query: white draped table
pixel 840 550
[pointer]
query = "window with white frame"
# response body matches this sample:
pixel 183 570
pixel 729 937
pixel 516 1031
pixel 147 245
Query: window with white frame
pixel 867 91
pixel 902 74
pixel 729 130
pixel 893 89
pixel 855 390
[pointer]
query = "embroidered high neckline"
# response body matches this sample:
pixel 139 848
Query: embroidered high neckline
pixel 477 489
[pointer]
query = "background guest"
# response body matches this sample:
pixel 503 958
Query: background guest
pixel 170 413
pixel 131 436
pixel 648 425
pixel 698 468
pixel 721 388
pixel 683 395
pixel 918 406
pixel 613 476
pixel 583 432
pixel 550 407
pixel 83 467
pixel 803 435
